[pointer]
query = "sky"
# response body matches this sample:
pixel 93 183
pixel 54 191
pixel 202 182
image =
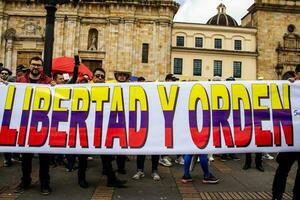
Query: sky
pixel 200 11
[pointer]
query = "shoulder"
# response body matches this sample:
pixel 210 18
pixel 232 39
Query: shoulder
pixel 21 79
pixel 45 79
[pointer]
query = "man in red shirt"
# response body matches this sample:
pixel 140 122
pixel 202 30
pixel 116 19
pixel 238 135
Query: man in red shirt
pixel 35 75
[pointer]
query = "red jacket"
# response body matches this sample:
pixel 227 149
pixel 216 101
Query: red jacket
pixel 43 79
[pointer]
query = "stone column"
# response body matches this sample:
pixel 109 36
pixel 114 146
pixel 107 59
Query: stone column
pixel 70 35
pixel 3 27
pixel 58 37
pixel 128 43
pixel 8 56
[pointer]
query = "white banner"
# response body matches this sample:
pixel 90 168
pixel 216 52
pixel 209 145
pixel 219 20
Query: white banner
pixel 151 118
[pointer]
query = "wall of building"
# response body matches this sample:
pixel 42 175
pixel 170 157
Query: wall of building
pixel 271 18
pixel 122 29
pixel 247 55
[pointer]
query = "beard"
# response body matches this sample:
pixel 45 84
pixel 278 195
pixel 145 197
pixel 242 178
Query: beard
pixel 35 72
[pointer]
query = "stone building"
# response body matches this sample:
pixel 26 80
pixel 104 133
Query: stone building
pixel 278 36
pixel 218 48
pixel 140 36
pixel 117 35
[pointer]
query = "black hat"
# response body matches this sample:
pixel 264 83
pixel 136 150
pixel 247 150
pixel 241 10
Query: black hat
pixel 5 69
pixel 171 77
pixel 127 74
pixel 141 79
pixel 21 68
pixel 230 79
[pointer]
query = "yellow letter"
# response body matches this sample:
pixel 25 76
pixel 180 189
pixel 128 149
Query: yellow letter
pixel 80 95
pixel 10 97
pixel 42 99
pixel 240 92
pixel 99 95
pixel 219 91
pixel 117 99
pixel 61 93
pixel 275 97
pixel 259 91
pixel 137 93
pixel 168 103
pixel 198 92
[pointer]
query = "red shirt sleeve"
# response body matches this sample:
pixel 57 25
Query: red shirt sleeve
pixel 21 79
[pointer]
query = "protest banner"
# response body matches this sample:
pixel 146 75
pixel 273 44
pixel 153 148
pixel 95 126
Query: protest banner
pixel 150 118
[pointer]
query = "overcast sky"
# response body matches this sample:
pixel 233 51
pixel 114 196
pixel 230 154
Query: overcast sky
pixel 200 11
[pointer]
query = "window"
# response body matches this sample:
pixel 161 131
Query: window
pixel 237 69
pixel 217 68
pixel 180 41
pixel 237 45
pixel 199 42
pixel 145 52
pixel 178 65
pixel 197 67
pixel 218 43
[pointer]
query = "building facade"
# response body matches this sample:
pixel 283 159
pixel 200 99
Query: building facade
pixel 116 35
pixel 140 36
pixel 212 50
pixel 218 48
pixel 278 36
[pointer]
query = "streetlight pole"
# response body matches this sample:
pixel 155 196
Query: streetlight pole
pixel 50 7
pixel 278 70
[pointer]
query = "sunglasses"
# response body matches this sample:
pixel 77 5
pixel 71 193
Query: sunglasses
pixel 4 74
pixel 100 76
pixel 36 65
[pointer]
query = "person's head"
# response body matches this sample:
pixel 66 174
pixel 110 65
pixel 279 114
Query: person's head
pixel 230 79
pixel 5 73
pixel 83 80
pixel 58 78
pixel 21 70
pixel 99 75
pixel 216 78
pixel 122 76
pixel 297 72
pixel 171 77
pixel 141 79
pixel 36 66
pixel 260 78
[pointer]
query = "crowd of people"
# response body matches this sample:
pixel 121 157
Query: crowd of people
pixel 35 74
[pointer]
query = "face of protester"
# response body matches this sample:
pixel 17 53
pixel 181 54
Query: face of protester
pixel 297 76
pixel 60 79
pixel 20 73
pixel 99 77
pixel 4 75
pixel 122 77
pixel 36 68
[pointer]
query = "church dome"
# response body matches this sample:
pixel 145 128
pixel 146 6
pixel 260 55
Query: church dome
pixel 222 19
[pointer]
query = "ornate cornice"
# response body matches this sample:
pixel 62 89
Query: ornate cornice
pixel 274 8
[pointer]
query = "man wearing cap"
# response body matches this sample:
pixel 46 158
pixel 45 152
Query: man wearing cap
pixel 171 77
pixel 122 77
pixel 4 74
pixel 112 180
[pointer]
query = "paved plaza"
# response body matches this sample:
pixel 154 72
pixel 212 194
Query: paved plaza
pixel 235 183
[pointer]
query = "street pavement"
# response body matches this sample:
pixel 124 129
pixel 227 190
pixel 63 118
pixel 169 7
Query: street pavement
pixel 235 183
